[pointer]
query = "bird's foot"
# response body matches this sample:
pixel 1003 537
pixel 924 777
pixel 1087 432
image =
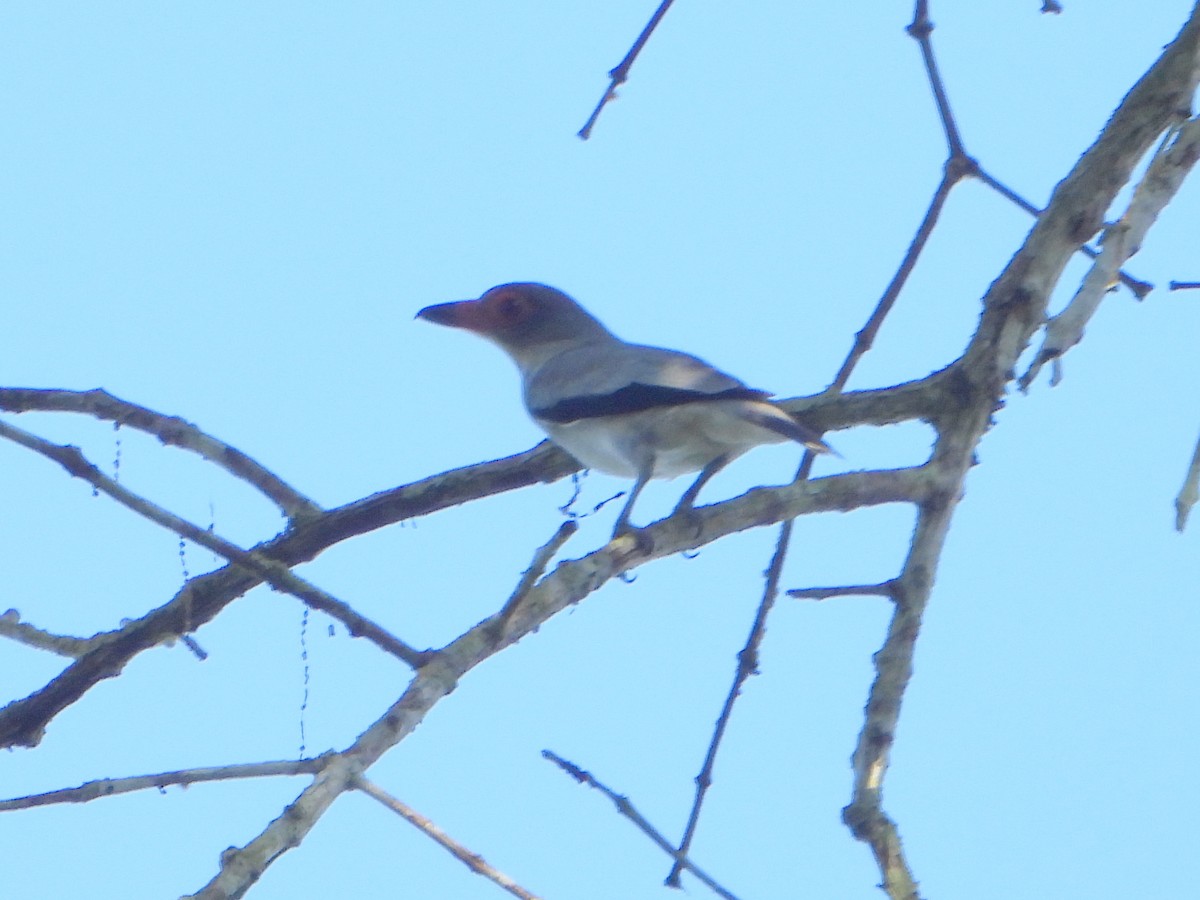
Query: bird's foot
pixel 641 537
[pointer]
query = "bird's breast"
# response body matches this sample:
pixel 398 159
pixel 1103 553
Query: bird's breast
pixel 668 442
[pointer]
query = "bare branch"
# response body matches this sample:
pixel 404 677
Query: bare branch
pixel 883 589
pixel 242 867
pixel 629 811
pixel 619 75
pixel 959 161
pixel 1165 175
pixel 537 567
pixel 22 722
pixel 472 861
pixel 110 787
pixel 921 30
pixel 865 337
pixel 274 573
pixel 747 665
pixel 170 430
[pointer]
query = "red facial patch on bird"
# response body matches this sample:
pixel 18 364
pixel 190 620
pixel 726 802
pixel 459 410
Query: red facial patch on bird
pixel 504 307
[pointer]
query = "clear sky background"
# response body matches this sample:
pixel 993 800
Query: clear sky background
pixel 231 211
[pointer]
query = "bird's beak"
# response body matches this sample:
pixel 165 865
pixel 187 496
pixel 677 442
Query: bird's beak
pixel 469 314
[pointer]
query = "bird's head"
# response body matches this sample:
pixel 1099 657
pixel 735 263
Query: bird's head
pixel 524 318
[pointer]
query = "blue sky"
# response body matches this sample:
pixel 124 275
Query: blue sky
pixel 231 213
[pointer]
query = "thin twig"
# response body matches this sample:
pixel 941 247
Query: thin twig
pixel 883 589
pixel 537 568
pixel 629 811
pixel 1183 285
pixel 109 787
pixel 921 30
pixel 472 861
pixel 865 337
pixel 747 665
pixel 620 74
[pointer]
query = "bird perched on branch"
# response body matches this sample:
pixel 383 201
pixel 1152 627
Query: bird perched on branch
pixel 625 409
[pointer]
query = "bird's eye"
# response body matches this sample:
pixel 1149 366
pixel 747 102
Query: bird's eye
pixel 512 307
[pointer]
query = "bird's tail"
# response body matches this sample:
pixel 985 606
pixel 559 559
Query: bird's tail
pixel 777 420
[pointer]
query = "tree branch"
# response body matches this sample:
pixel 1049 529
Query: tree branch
pixel 1120 241
pixel 629 811
pixel 110 787
pixel 170 430
pixel 472 861
pixel 620 74
pixel 279 576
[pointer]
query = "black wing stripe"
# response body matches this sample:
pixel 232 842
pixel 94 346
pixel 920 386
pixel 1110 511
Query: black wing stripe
pixel 636 397
pixel 793 430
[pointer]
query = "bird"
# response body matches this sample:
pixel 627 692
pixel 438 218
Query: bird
pixel 625 409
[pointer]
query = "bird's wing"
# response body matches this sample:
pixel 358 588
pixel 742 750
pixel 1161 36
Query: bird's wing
pixel 610 379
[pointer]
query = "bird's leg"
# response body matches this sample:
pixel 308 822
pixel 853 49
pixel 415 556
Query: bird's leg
pixel 623 525
pixel 684 505
pixel 706 474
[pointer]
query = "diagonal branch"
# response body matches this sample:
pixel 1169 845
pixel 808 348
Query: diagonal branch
pixel 1120 241
pixel 280 577
pixel 473 861
pixel 620 74
pixel 170 430
pixel 629 811
pixel 921 30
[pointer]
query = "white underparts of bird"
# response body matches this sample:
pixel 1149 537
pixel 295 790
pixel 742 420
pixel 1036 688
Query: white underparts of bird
pixel 625 409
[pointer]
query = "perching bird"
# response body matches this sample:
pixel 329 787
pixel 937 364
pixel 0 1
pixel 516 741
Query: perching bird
pixel 625 409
